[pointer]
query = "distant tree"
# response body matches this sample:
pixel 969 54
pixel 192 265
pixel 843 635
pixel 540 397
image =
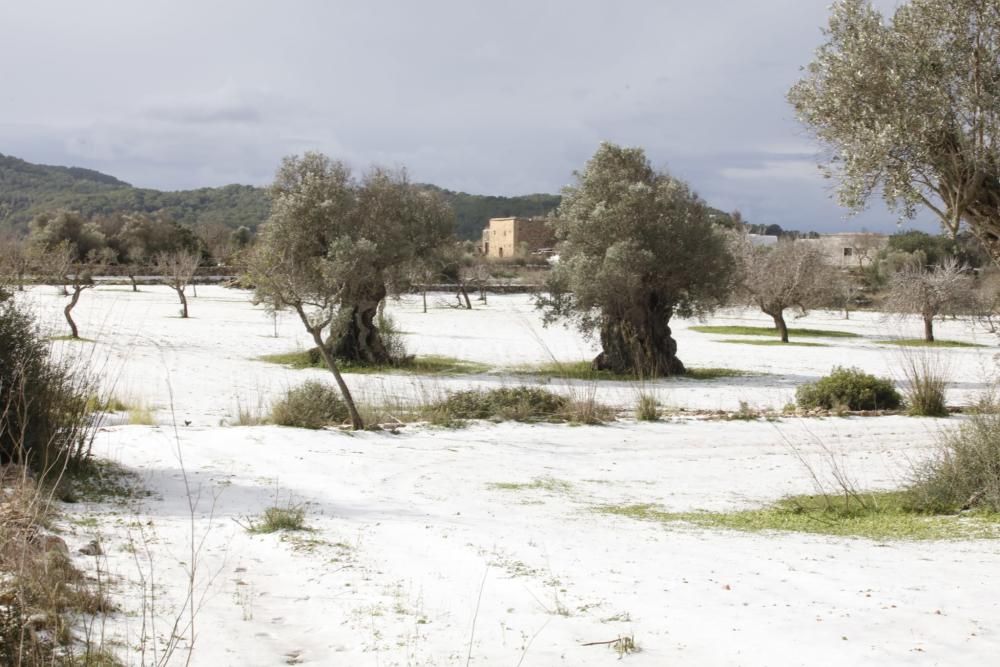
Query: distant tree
pixel 636 248
pixel 177 269
pixel 789 274
pixel 15 259
pixel 909 107
pixel 52 228
pixel 60 266
pixel 946 289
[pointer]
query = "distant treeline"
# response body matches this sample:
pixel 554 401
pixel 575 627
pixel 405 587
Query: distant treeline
pixel 27 190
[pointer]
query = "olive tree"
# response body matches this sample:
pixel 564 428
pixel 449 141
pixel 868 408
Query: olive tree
pixel 946 289
pixel 910 107
pixel 334 246
pixel 390 225
pixel 787 275
pixel 636 247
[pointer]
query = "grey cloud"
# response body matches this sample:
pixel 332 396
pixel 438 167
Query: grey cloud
pixel 495 98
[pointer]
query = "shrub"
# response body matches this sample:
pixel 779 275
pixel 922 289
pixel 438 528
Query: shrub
pixel 850 388
pixel 965 473
pixel 518 403
pixel 45 420
pixel 313 405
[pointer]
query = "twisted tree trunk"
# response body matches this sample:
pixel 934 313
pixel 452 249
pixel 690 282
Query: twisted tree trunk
pixel 357 338
pixel 639 342
pixel 69 309
pixel 929 328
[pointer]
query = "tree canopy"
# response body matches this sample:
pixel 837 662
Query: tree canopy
pixel 910 107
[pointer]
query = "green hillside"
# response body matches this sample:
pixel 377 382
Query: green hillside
pixel 27 189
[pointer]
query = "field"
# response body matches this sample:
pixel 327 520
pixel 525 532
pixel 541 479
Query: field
pixel 512 543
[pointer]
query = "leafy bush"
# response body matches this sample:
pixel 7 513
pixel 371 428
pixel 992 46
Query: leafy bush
pixel 45 419
pixel 518 403
pixel 965 474
pixel 313 405
pixel 850 388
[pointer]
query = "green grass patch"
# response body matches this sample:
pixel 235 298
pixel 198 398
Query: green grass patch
pixel 748 341
pixel 883 515
pixel 770 331
pixel 537 484
pixel 426 365
pixel 711 373
pixel 81 339
pixel 920 342
pixel 582 370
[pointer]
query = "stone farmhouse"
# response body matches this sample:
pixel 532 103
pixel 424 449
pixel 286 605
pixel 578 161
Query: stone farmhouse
pixel 516 237
pixel 849 249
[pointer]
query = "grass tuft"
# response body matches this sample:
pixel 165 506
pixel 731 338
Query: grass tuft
pixel 141 415
pixel 276 519
pixel 647 408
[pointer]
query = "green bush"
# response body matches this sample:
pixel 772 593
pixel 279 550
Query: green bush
pixel 518 403
pixel 965 473
pixel 45 420
pixel 849 388
pixel 313 405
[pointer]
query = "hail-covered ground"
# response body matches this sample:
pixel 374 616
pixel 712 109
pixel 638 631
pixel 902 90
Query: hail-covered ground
pixel 487 545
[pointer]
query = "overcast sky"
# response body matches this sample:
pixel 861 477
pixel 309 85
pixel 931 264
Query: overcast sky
pixel 500 97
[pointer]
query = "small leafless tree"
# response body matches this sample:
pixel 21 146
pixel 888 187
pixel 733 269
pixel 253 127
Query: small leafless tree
pixel 790 274
pixel 59 267
pixel 16 258
pixel 944 290
pixel 177 270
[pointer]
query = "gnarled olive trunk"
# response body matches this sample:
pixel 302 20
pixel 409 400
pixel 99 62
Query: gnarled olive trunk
pixel 357 338
pixel 639 342
pixel 929 328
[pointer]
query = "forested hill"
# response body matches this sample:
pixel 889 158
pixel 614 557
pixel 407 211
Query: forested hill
pixel 27 189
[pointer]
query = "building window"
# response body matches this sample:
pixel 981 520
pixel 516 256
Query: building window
pixel 848 252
